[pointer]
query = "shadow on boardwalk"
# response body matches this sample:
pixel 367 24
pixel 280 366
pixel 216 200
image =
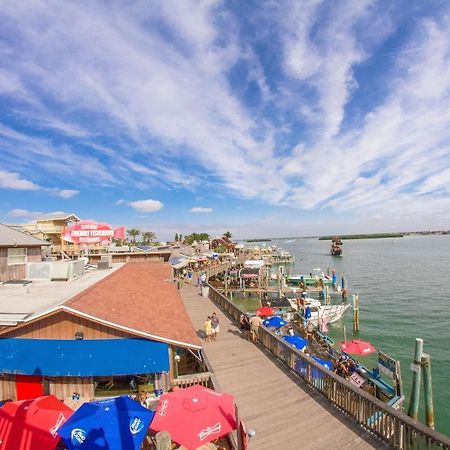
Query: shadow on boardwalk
pixel 283 410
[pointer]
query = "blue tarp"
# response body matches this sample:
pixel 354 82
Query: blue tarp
pixel 301 366
pixel 82 357
pixel 114 424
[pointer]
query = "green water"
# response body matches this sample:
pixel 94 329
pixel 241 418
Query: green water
pixel 404 290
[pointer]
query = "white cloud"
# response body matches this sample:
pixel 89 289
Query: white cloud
pixel 29 215
pixel 200 209
pixel 121 201
pixel 63 193
pixel 12 180
pixel 146 206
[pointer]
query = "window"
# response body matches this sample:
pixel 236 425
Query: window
pixel 17 256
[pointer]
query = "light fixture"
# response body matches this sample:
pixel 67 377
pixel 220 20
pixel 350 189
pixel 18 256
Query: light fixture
pixel 79 335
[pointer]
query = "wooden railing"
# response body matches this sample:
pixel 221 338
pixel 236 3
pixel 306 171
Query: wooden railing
pixel 391 426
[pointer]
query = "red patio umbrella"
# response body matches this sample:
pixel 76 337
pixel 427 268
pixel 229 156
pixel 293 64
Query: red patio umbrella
pixel 32 424
pixel 358 347
pixel 195 415
pixel 265 311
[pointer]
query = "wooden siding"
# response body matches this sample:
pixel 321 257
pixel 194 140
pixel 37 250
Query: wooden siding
pixel 65 387
pixel 132 257
pixel 8 387
pixel 63 325
pixel 17 271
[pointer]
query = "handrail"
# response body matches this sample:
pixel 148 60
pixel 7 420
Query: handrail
pixel 394 427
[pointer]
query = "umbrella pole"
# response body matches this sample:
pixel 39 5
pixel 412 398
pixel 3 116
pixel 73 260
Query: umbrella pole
pixel 345 334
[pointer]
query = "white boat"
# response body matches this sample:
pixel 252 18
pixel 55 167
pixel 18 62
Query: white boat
pixel 319 313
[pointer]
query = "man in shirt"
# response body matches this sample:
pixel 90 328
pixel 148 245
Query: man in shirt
pixel 255 322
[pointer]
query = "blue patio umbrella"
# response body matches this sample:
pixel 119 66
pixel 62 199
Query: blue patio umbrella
pixel 296 341
pixel 301 366
pixel 275 321
pixel 324 362
pixel 118 423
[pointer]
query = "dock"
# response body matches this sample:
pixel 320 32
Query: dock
pixel 282 409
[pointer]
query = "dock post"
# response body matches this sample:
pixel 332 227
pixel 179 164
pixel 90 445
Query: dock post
pixel 428 388
pixel 413 410
pixel 355 313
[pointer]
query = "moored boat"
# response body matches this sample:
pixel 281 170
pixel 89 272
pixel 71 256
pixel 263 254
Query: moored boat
pixel 336 246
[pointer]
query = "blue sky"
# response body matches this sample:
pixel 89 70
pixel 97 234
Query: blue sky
pixel 265 118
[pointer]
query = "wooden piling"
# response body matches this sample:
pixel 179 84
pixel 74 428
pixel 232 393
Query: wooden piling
pixel 428 389
pixel 355 313
pixel 416 366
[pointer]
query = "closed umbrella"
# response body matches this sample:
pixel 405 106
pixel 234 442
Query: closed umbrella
pixel 195 415
pixel 358 347
pixel 32 424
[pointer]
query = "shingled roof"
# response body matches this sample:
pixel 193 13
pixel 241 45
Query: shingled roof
pixel 10 237
pixel 139 298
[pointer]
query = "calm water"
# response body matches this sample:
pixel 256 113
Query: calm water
pixel 404 290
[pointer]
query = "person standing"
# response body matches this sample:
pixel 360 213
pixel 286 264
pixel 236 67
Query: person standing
pixel 215 326
pixel 208 329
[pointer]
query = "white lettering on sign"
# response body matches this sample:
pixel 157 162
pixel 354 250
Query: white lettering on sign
pixel 356 379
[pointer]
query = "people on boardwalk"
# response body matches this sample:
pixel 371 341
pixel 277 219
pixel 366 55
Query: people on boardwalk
pixel 290 331
pixel 203 279
pixel 189 276
pixel 255 323
pixel 215 326
pixel 208 329
pixel 244 322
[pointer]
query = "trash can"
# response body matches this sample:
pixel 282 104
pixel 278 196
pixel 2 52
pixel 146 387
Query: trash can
pixel 205 291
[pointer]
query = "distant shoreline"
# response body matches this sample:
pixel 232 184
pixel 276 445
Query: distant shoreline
pixel 364 236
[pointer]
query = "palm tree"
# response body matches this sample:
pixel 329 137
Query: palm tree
pixel 227 234
pixel 148 237
pixel 133 233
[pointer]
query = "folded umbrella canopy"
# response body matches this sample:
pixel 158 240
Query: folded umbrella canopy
pixel 195 415
pixel 275 321
pixel 296 341
pixel 118 423
pixel 357 347
pixel 32 424
pixel 265 311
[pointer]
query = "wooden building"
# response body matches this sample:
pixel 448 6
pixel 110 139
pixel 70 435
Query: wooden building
pixel 16 250
pixel 119 335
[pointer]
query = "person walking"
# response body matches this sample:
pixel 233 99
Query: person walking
pixel 215 326
pixel 255 322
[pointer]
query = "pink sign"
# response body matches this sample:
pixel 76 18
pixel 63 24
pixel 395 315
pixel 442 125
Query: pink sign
pixel 89 232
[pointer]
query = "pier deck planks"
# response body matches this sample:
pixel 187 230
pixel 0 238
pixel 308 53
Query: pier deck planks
pixel 282 409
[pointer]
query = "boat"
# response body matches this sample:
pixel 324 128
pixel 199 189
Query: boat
pixel 318 313
pixel 313 279
pixel 336 246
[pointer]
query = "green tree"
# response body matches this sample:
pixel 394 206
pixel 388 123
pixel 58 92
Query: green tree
pixel 148 237
pixel 133 233
pixel 196 237
pixel 227 234
pixel 176 237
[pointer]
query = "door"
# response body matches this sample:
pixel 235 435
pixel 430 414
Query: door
pixel 29 386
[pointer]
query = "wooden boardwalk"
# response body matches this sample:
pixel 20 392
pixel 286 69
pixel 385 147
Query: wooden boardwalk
pixel 283 410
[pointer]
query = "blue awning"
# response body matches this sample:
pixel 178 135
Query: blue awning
pixel 82 358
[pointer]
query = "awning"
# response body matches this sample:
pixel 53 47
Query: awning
pixel 82 358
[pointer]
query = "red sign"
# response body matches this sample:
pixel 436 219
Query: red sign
pixel 88 232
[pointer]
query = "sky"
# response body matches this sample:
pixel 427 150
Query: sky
pixel 263 118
